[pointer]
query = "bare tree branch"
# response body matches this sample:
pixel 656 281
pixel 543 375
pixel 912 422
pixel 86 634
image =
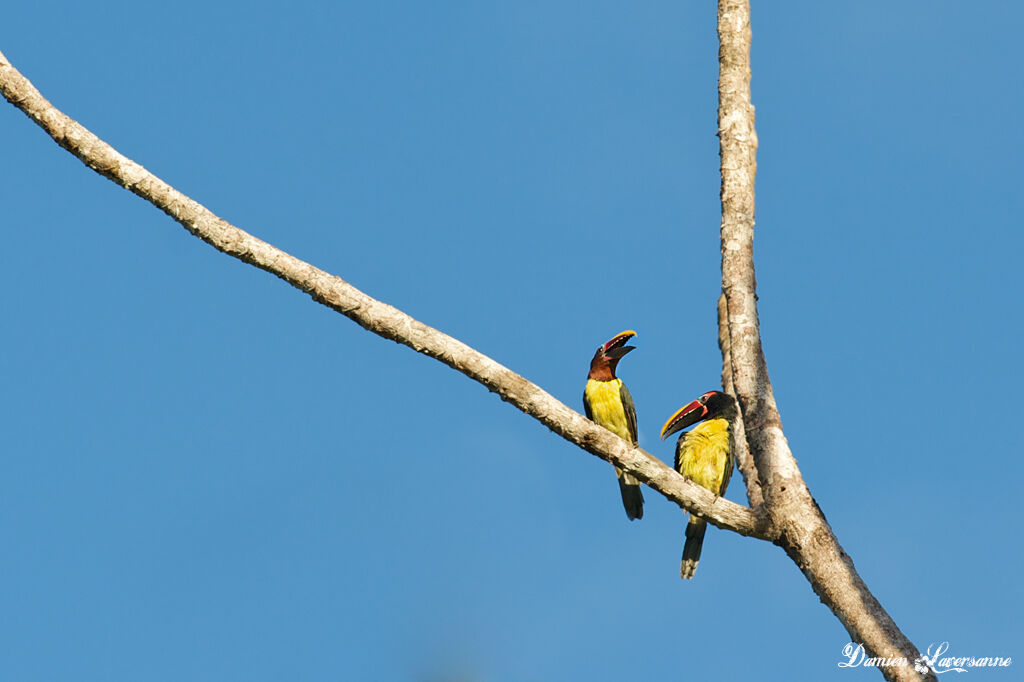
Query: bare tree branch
pixel 376 316
pixel 803 531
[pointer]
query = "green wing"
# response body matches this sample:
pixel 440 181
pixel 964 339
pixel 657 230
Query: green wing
pixel 730 463
pixel 630 410
pixel 586 407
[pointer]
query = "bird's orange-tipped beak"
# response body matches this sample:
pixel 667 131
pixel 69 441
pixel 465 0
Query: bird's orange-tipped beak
pixel 616 347
pixel 687 415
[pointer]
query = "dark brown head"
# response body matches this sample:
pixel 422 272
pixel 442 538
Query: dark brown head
pixel 602 367
pixel 710 405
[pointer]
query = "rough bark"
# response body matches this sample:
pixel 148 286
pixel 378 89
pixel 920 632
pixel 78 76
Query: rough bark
pixel 803 531
pixel 375 316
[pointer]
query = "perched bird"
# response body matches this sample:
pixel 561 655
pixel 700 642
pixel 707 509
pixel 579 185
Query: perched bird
pixel 705 456
pixel 607 402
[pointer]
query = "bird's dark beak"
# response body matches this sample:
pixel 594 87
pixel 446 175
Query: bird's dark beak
pixel 686 415
pixel 618 343
pixel 618 353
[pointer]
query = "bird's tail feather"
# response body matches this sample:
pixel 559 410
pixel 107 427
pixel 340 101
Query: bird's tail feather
pixel 632 498
pixel 691 550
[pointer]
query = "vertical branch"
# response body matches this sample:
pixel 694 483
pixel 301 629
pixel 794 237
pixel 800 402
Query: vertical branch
pixel 739 168
pixel 803 531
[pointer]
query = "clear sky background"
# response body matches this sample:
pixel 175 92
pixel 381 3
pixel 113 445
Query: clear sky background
pixel 207 476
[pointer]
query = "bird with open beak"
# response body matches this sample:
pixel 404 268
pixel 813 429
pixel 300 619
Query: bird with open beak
pixel 705 455
pixel 607 402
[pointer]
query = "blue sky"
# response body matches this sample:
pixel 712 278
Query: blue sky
pixel 206 476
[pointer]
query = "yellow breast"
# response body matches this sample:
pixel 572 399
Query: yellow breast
pixel 704 455
pixel 605 398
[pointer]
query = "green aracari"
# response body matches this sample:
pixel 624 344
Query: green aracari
pixel 607 402
pixel 705 455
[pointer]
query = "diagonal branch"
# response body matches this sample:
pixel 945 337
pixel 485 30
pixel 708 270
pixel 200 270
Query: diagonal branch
pixel 804 533
pixel 375 316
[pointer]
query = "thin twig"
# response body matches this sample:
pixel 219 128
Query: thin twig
pixel 743 459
